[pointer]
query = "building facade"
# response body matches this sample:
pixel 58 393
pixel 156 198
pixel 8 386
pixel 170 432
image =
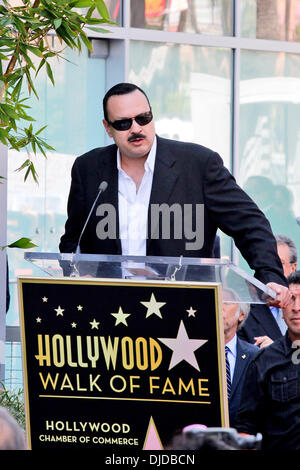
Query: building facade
pixel 221 73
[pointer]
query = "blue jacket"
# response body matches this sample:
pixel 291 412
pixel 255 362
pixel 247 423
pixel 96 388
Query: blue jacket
pixel 245 353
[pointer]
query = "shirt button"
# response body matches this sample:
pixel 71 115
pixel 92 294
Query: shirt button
pixel 284 379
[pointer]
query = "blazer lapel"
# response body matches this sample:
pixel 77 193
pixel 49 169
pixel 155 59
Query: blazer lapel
pixel 108 171
pixel 240 364
pixel 164 179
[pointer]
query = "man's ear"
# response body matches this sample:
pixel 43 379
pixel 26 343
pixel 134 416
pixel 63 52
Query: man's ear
pixel 107 127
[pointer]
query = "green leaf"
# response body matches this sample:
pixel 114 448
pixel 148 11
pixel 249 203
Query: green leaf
pixel 31 170
pixel 27 58
pixel 40 66
pixel 23 243
pixel 86 42
pixel 102 9
pixel 49 73
pixel 30 82
pixel 40 130
pixel 57 23
pixel 90 11
pixel 98 30
pixel 81 3
pixel 34 50
pixel 17 89
pixel 24 164
pixel 19 25
pixel 9 110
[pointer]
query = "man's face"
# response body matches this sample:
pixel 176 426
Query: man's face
pixel 291 313
pixel 231 316
pixel 285 257
pixel 137 141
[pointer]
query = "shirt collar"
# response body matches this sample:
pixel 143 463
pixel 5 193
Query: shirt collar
pixel 288 344
pixel 232 345
pixel 149 163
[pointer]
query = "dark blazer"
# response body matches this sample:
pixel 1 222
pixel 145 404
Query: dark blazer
pixel 184 173
pixel 260 322
pixel 245 353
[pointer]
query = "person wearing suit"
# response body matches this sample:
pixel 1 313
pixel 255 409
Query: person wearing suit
pixel 265 324
pixel 147 174
pixel 239 353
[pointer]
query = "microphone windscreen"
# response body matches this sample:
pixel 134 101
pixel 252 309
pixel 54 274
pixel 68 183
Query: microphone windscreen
pixel 103 186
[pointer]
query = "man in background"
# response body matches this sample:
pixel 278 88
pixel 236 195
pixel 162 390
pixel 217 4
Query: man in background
pixel 12 436
pixel 265 323
pixel 238 353
pixel 270 402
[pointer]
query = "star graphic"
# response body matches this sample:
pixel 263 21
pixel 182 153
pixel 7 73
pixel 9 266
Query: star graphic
pixel 38 320
pixel 79 308
pixel 94 324
pixel 59 311
pixel 121 317
pixel 45 299
pixel 73 325
pixel 191 312
pixel 183 347
pixel 153 306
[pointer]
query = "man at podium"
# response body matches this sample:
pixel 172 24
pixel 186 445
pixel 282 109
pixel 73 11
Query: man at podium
pixel 146 195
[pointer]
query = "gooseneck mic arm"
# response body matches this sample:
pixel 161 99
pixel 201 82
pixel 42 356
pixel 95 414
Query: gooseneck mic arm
pixel 102 187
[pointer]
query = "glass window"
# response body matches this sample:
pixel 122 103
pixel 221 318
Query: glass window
pixel 270 136
pixel 271 19
pixel 191 16
pixel 191 102
pixel 73 116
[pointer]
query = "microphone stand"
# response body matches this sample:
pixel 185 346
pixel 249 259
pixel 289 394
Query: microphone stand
pixel 75 272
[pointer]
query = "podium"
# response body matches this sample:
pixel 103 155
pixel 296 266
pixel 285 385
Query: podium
pixel 123 352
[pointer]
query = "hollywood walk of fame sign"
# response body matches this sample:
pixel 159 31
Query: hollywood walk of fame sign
pixel 120 364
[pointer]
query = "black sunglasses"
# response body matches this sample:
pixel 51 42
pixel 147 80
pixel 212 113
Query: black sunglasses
pixel 125 124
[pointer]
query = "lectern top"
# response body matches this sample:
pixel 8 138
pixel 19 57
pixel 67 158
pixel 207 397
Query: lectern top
pixel 243 287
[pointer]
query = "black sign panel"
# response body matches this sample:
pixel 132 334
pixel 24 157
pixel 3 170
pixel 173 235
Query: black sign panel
pixel 120 364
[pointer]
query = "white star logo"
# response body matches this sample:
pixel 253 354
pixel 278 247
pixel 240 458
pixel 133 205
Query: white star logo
pixel 183 347
pixel 191 312
pixel 45 299
pixel 121 317
pixel 153 306
pixel 38 320
pixel 73 325
pixel 94 324
pixel 79 308
pixel 59 311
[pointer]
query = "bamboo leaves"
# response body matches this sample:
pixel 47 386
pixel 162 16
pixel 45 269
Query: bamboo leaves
pixel 25 32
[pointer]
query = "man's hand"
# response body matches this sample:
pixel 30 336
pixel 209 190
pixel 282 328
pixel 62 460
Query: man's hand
pixel 283 295
pixel 262 341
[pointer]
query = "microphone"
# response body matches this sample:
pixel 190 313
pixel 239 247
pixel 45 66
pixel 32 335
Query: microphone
pixel 102 187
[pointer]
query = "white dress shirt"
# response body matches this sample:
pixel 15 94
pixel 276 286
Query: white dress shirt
pixel 277 313
pixel 232 355
pixel 133 206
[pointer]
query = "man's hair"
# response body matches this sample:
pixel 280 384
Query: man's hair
pixel 244 308
pixel 294 278
pixel 284 240
pixel 120 89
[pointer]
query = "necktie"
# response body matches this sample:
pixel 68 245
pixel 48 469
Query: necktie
pixel 228 376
